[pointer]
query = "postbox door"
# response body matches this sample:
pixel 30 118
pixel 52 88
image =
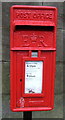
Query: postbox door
pixel 32 99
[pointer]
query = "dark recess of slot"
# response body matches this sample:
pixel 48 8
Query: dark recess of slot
pixel 37 28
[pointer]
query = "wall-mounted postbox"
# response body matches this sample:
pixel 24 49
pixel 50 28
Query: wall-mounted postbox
pixel 32 57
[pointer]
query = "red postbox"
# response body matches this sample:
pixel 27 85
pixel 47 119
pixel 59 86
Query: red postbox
pixel 32 57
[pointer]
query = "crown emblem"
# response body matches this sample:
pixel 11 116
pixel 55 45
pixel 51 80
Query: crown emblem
pixel 33 37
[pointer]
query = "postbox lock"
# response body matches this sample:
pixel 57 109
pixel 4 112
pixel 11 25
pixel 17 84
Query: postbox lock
pixel 20 80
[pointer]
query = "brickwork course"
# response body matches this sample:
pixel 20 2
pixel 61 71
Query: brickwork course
pixel 57 112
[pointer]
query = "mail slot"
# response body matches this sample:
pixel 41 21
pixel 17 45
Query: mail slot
pixel 32 57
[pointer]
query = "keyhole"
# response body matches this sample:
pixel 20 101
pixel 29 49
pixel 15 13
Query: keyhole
pixel 20 80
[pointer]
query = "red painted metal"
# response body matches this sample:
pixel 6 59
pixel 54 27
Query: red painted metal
pixel 32 28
